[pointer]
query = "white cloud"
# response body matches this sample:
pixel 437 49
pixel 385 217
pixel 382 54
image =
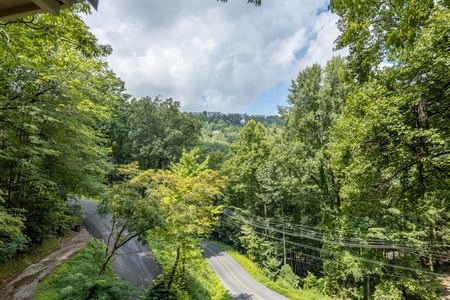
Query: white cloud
pixel 209 55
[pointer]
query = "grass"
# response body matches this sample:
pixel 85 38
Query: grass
pixel 280 286
pixel 78 278
pixel 22 261
pixel 201 282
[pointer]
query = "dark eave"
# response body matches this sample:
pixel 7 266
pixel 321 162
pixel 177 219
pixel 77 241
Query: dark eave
pixel 13 9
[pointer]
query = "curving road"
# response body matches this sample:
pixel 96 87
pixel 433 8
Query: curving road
pixel 134 261
pixel 236 280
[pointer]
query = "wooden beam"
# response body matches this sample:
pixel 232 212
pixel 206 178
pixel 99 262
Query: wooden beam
pixel 19 11
pixel 51 6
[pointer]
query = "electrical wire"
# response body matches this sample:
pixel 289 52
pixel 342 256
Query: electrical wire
pixel 319 231
pixel 348 243
pixel 335 253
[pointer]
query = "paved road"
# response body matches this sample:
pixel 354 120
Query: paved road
pixel 134 261
pixel 236 280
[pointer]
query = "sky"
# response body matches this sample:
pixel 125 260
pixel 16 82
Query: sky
pixel 212 56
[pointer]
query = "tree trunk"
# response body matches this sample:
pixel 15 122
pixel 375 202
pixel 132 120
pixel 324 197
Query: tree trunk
pixel 174 269
pixel 284 236
pixel 91 292
pixel 183 265
pixel 105 263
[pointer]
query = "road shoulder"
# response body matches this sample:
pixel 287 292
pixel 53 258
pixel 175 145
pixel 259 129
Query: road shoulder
pixel 25 283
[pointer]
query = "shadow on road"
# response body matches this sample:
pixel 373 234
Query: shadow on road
pixel 211 250
pixel 133 261
pixel 241 296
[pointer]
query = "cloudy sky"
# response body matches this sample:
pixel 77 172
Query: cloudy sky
pixel 214 56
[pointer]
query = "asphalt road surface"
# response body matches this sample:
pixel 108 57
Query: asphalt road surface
pixel 236 280
pixel 134 261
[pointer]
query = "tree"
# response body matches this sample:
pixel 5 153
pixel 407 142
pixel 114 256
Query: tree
pixel 186 196
pixel 391 147
pixel 117 132
pixel 131 209
pixel 377 31
pixel 160 132
pixel 317 97
pixel 55 88
pixel 247 155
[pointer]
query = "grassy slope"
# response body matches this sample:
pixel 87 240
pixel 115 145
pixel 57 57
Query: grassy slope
pixel 202 283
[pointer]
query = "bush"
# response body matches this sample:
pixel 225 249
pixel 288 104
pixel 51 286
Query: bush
pixel 312 283
pixel 200 281
pixel 12 240
pixel 289 276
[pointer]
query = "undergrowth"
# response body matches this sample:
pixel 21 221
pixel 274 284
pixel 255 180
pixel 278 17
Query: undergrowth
pixel 201 282
pixel 23 260
pixel 78 279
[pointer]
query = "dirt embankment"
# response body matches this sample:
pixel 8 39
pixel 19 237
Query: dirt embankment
pixel 22 286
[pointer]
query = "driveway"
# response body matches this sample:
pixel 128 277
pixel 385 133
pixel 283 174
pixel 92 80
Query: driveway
pixel 23 286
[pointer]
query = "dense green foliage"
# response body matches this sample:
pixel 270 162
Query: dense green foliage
pixel 185 196
pixel 353 191
pixel 159 132
pixel 220 131
pixel 394 165
pixel 151 131
pixel 247 155
pixel 346 194
pixel 55 88
pixel 377 31
pixel 78 279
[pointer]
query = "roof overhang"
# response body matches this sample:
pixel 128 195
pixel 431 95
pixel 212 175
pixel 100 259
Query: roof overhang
pixel 13 9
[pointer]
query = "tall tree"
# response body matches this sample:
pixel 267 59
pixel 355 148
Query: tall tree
pixel 117 133
pixel 186 196
pixel 247 155
pixel 160 132
pixel 392 148
pixel 55 88
pixel 317 97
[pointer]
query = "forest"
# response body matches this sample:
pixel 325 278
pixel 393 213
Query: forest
pixel 345 193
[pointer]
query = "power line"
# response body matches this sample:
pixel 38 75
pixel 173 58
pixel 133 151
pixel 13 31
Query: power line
pixel 320 231
pixel 335 253
pixel 340 264
pixel 348 243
